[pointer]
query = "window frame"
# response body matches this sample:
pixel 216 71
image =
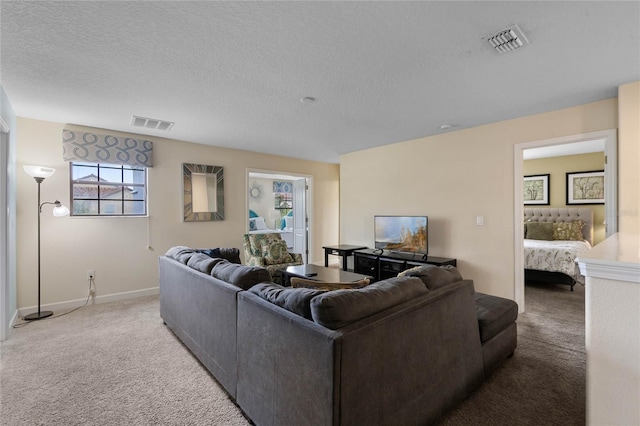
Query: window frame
pixel 122 185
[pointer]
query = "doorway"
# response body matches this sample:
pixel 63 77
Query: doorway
pixel 280 202
pixel 609 138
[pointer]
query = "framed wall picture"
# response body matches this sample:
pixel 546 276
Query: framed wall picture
pixel 585 187
pixel 536 190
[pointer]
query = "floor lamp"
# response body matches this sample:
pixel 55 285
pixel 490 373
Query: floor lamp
pixel 39 173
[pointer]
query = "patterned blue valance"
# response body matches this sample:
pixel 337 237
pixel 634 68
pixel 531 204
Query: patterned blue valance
pixel 96 148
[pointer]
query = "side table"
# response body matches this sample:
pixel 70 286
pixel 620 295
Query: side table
pixel 344 250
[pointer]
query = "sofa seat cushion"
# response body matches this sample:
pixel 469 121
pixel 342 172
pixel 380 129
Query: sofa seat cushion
pixel 494 314
pixel 336 309
pixel 203 263
pixel 180 253
pixel 296 300
pixel 241 276
pixel 434 277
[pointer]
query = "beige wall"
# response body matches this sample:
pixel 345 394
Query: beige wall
pixel 629 157
pixel 453 178
pixel 117 247
pixel 558 167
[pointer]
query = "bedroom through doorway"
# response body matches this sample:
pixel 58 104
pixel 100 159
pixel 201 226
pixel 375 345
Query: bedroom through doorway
pixel 279 202
pixel 563 157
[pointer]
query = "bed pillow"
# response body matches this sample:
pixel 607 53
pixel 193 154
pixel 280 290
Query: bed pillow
pixel 257 224
pixel 540 231
pixel 568 231
pixel 288 222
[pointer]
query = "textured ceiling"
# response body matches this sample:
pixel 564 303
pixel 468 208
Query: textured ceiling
pixel 232 74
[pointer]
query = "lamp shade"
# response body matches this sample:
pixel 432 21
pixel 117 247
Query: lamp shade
pixel 59 210
pixel 39 171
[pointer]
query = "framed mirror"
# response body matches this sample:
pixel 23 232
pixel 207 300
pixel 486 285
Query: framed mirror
pixel 203 192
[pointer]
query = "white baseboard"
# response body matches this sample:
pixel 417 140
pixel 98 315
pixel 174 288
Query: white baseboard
pixel 71 304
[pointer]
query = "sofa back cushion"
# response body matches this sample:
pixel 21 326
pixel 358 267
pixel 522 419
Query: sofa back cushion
pixel 203 263
pixel 230 254
pixel 433 277
pixel 296 300
pixel 180 253
pixel 336 309
pixel 241 276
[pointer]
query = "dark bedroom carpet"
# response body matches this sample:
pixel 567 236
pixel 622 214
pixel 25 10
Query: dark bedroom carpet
pixel 117 364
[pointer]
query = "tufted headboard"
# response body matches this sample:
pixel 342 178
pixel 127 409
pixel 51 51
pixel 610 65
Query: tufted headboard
pixel 563 214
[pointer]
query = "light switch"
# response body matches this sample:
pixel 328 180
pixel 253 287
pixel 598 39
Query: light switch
pixel 479 220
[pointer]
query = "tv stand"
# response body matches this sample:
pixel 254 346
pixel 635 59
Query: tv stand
pixel 388 263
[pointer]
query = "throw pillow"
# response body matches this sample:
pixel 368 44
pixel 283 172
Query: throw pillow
pixel 319 285
pixel 276 253
pixel 296 300
pixel 433 277
pixel 570 231
pixel 540 231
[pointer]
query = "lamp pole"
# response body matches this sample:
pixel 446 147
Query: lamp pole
pixel 39 173
pixel 40 314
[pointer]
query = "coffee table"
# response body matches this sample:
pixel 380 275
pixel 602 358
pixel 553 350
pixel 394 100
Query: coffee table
pixel 321 273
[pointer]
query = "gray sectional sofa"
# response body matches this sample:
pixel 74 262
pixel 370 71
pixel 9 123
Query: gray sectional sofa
pixel 399 351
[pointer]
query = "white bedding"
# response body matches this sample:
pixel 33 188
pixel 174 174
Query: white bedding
pixel 555 256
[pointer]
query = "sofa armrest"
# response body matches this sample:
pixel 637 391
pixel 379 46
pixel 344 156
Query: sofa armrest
pixel 286 365
pixel 297 257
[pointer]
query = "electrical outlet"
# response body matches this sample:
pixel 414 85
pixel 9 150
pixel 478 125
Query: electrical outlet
pixel 91 274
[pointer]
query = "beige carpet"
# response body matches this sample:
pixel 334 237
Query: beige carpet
pixel 117 364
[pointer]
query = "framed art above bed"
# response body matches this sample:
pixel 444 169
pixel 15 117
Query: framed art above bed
pixel 585 187
pixel 536 190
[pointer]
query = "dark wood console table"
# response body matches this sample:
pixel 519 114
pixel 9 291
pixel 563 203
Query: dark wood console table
pixel 344 250
pixel 388 264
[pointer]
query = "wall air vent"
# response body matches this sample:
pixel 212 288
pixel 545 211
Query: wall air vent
pixel 151 123
pixel 508 39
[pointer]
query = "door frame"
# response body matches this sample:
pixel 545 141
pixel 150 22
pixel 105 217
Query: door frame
pixel 611 194
pixel 308 202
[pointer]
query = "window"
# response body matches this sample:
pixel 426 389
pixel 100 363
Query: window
pixel 108 190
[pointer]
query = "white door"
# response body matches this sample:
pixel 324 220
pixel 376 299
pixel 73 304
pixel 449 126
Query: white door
pixel 300 219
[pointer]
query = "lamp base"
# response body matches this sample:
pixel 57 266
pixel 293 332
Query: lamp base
pixel 37 315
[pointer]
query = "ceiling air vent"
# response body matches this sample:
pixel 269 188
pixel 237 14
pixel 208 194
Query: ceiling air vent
pixel 508 39
pixel 151 123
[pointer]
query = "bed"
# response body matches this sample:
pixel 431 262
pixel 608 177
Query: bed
pixel 554 260
pixel 257 225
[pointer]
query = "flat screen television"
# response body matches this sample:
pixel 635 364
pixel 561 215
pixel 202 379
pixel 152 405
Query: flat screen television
pixel 406 234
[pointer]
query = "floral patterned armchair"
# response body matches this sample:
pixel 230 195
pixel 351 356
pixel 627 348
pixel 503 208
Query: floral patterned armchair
pixel 269 251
